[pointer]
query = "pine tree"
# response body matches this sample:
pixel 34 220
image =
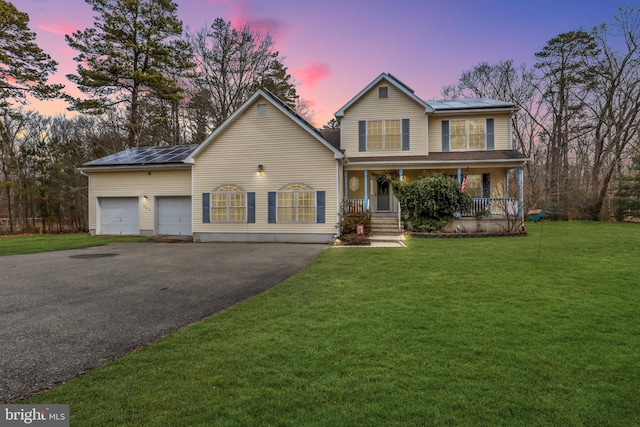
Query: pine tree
pixel 24 67
pixel 125 55
pixel 627 200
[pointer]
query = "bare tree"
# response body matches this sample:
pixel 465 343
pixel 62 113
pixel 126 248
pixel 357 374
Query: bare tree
pixel 613 105
pixel 564 63
pixel 231 65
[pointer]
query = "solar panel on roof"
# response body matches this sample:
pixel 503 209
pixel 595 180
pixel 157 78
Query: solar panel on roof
pixel 146 155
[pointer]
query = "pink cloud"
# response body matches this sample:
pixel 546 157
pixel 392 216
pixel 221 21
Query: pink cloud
pixel 59 27
pixel 272 26
pixel 312 74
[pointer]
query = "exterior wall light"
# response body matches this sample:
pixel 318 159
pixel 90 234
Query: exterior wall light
pixel 260 170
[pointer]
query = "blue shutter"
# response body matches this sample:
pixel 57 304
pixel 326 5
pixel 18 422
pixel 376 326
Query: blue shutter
pixel 362 135
pixel 445 135
pixel 320 206
pixel 405 134
pixel 206 208
pixel 251 207
pixel 490 134
pixel 272 206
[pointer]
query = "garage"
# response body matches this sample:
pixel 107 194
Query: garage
pixel 119 215
pixel 173 216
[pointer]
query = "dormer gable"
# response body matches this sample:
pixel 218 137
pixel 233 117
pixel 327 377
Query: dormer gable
pixel 379 83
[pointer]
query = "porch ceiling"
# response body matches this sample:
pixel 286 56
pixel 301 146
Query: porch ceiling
pixel 502 158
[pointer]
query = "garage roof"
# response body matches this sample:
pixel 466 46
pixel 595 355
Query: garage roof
pixel 146 156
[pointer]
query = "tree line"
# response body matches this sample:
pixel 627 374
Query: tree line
pixel 579 114
pixel 145 82
pixel 148 82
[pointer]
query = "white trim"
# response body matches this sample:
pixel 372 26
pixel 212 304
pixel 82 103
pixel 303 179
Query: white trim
pixel 427 134
pixel 469 111
pixel 172 166
pixel 433 164
pixel 510 132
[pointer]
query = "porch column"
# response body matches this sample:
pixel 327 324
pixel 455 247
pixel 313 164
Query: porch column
pixel 346 187
pixel 506 185
pixel 520 194
pixel 459 175
pixel 366 188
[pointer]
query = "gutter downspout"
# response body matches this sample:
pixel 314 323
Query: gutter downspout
pixel 338 195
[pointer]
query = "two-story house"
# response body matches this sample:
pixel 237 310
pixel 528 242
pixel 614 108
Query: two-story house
pixel 266 174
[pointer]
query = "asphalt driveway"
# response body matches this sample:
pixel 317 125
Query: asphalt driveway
pixel 64 313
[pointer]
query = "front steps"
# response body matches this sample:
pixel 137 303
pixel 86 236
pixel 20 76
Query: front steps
pixel 385 230
pixel 382 224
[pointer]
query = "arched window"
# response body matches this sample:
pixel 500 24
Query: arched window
pixel 228 204
pixel 296 203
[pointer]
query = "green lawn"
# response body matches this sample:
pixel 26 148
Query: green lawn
pixel 524 331
pixel 16 245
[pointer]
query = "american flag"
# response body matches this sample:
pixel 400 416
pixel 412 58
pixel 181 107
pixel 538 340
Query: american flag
pixel 463 186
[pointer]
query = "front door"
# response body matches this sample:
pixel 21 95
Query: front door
pixel 383 201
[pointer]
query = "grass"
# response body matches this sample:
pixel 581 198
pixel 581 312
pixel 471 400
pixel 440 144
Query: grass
pixel 524 331
pixel 17 245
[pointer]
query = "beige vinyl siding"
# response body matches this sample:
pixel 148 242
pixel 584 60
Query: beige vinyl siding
pixel 138 184
pixel 288 153
pixel 396 107
pixel 501 130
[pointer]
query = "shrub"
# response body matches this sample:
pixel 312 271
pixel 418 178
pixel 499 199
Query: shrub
pixel 349 222
pixel 430 201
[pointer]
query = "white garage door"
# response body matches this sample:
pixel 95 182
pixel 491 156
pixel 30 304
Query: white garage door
pixel 119 215
pixel 174 216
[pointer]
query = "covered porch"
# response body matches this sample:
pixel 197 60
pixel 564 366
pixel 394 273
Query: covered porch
pixel 496 191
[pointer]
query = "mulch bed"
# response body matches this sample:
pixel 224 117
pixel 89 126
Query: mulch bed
pixel 464 235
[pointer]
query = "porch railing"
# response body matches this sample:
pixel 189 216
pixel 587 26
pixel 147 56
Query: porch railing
pixel 493 207
pixel 485 206
pixel 354 206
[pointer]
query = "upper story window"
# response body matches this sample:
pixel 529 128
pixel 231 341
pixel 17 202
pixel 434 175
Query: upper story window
pixel 383 92
pixel 383 135
pixel 469 134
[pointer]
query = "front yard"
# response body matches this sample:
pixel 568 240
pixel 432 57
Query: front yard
pixel 536 330
pixel 17 245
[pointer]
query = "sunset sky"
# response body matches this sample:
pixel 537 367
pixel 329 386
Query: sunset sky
pixel 334 48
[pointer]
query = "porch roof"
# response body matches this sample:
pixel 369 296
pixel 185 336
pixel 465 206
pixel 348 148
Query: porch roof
pixel 459 158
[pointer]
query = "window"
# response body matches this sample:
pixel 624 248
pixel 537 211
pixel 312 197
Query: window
pixel 479 185
pixel 383 92
pixel 262 110
pixel 383 135
pixel 468 134
pixel 228 204
pixel 296 203
pixel 474 185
